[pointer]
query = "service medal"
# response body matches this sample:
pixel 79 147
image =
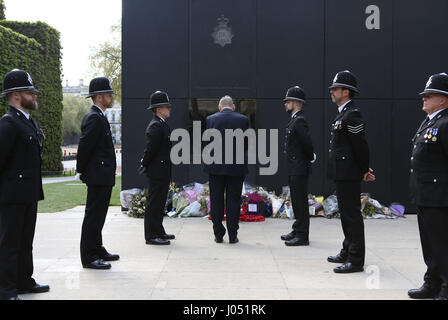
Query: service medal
pixel 434 139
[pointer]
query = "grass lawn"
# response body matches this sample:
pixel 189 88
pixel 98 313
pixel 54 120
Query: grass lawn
pixel 67 195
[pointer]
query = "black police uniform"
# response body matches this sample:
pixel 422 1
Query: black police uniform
pixel 429 190
pixel 96 162
pixel 156 160
pixel 347 164
pixel 20 189
pixel 299 154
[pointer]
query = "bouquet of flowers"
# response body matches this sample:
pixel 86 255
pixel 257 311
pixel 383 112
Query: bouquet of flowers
pixel 138 204
pixel 172 190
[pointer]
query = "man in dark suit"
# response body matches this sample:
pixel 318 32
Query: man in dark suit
pixel 299 156
pixel 96 162
pixel 348 164
pixel 429 188
pixel 20 186
pixel 224 177
pixel 157 164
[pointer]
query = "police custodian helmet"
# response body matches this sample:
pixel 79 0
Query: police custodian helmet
pixel 437 83
pixel 159 99
pixel 295 93
pixel 17 80
pixel 100 85
pixel 345 79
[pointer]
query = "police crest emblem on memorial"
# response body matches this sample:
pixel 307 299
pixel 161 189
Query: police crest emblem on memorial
pixel 222 34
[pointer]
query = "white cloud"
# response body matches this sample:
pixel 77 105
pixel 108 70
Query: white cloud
pixel 83 24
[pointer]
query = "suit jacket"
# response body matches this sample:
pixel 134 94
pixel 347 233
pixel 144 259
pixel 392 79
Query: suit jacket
pixel 20 159
pixel 228 119
pixel 349 151
pixel 298 146
pixel 96 159
pixel 156 157
pixel 429 163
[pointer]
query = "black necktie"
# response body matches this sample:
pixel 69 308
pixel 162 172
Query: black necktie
pixel 32 122
pixel 423 123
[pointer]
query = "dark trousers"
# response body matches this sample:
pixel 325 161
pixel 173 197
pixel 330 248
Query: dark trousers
pixel 232 186
pixel 17 226
pixel 298 186
pixel 97 204
pixel 349 202
pixel 155 208
pixel 433 227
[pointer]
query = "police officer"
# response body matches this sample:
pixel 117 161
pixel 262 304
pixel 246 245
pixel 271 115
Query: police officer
pixel 156 161
pixel 299 156
pixel 429 187
pixel 348 164
pixel 20 186
pixel 96 162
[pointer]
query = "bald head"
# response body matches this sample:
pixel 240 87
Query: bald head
pixel 226 102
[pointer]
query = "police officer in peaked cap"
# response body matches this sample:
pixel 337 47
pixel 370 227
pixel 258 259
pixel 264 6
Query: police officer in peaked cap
pixel 96 163
pixel 299 156
pixel 429 187
pixel 21 142
pixel 156 163
pixel 348 165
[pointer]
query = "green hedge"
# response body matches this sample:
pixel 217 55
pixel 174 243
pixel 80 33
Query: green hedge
pixel 2 10
pixel 11 43
pixel 40 55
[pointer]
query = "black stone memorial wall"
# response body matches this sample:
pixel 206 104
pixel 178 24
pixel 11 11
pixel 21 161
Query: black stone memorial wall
pixel 393 46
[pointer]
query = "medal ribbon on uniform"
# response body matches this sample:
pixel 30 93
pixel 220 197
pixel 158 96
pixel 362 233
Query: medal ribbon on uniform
pixel 434 133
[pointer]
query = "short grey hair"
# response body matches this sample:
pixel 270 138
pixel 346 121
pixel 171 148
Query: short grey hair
pixel 226 101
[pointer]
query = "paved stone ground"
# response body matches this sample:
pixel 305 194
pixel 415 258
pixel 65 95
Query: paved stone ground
pixel 194 267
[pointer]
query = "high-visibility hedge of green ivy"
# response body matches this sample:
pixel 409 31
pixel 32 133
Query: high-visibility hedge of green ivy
pixel 35 48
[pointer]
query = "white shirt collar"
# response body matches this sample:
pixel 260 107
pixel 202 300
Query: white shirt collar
pixel 431 116
pixel 294 113
pixel 104 113
pixel 27 115
pixel 342 107
pixel 161 118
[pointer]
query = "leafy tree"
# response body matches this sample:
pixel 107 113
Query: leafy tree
pixel 2 10
pixel 74 110
pixel 106 60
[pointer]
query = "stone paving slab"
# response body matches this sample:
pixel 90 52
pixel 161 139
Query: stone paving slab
pixel 194 267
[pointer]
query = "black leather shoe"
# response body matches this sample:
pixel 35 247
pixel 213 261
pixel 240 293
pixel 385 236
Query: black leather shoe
pixel 288 236
pixel 167 236
pixel 443 294
pixel 337 259
pixel 14 298
pixel 110 257
pixel 297 242
pixel 158 241
pixel 97 264
pixel 234 240
pixel 37 288
pixel 219 240
pixel 426 291
pixel 348 268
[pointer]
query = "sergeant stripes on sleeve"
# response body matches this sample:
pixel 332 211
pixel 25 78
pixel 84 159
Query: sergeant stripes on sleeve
pixel 355 129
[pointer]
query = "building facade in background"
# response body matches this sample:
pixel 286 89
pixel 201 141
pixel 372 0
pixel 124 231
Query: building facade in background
pixel 113 114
